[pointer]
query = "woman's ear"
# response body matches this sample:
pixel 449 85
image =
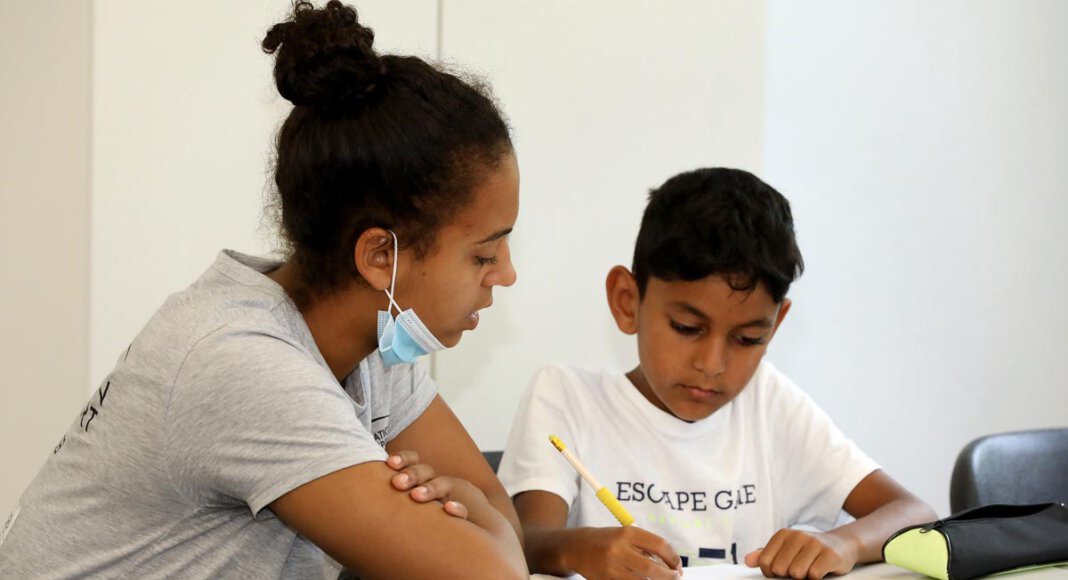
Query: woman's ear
pixel 622 291
pixel 373 257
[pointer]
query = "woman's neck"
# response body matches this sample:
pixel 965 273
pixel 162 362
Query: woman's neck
pixel 344 324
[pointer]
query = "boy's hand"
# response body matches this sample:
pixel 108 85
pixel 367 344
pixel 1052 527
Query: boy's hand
pixel 803 555
pixel 625 552
pixel 423 484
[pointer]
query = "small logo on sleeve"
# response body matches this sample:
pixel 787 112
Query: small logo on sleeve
pixel 10 522
pixel 380 429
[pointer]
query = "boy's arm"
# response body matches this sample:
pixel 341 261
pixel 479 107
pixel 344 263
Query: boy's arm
pixel 543 516
pixel 881 506
pixel 616 552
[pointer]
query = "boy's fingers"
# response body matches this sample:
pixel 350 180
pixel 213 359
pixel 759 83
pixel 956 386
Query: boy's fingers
pixel 655 546
pixel 752 559
pixel 825 564
pixel 402 459
pixel 645 567
pixel 791 556
pixel 801 566
pixel 770 553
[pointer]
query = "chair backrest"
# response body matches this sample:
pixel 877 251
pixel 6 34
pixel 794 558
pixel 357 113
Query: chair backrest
pixel 1017 468
pixel 493 458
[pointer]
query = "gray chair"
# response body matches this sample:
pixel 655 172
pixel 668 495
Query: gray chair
pixel 493 458
pixel 1015 468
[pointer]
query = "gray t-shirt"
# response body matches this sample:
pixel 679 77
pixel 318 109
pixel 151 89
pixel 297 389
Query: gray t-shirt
pixel 220 405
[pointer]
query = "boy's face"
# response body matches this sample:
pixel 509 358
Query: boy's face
pixel 699 342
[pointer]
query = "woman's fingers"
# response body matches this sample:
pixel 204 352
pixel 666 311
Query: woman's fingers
pixel 402 459
pixel 412 476
pixel 456 509
pixel 439 488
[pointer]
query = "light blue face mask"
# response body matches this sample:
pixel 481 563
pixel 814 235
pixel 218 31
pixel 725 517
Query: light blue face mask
pixel 406 338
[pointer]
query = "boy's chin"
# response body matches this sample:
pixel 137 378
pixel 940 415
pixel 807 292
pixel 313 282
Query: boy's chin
pixel 690 412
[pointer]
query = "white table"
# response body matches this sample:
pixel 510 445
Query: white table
pixel 869 572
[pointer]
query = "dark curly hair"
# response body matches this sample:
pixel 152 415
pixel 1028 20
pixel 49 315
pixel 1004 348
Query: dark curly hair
pixel 372 140
pixel 718 221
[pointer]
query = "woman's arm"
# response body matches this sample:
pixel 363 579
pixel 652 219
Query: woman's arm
pixel 359 518
pixel 441 441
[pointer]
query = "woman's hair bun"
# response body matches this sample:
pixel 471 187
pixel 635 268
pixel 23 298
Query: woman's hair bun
pixel 324 57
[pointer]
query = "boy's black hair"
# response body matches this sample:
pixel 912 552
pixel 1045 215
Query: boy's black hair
pixel 718 221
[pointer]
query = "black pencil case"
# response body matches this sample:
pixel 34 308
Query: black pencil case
pixel 984 540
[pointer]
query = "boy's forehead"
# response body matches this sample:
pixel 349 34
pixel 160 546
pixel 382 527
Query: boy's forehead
pixel 711 296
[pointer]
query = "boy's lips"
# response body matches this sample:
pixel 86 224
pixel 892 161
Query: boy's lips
pixel 700 393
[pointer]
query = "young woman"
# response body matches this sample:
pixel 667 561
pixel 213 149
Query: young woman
pixel 242 432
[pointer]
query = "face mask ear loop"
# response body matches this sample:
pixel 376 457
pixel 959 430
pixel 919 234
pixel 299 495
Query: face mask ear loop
pixel 393 281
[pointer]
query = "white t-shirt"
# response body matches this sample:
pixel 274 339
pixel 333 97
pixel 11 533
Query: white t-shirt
pixel 714 489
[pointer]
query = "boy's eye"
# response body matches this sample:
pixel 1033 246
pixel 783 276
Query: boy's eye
pixel 482 261
pixel 750 341
pixel 683 329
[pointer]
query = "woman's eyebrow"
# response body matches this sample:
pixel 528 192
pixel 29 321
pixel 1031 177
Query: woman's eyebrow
pixel 494 236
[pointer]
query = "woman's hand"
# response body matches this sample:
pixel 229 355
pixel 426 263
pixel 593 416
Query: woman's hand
pixel 803 555
pixel 424 485
pixel 624 552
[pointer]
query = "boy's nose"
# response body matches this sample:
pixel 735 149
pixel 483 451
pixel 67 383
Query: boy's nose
pixel 711 357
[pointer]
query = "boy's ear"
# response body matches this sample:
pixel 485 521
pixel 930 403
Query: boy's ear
pixel 783 309
pixel 373 257
pixel 622 291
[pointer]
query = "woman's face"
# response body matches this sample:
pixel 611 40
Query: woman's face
pixel 449 286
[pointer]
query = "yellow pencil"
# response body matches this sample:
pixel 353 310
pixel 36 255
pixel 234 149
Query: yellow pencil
pixel 603 493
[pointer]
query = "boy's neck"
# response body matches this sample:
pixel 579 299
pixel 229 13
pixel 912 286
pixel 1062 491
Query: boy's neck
pixel 638 380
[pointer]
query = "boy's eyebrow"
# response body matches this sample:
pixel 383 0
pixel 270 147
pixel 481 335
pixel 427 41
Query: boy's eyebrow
pixel 755 323
pixel 691 309
pixel 494 236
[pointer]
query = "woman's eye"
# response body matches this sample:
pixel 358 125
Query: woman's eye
pixel 486 261
pixel 750 341
pixel 684 329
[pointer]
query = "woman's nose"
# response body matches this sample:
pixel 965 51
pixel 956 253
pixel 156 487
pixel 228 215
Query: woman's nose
pixel 504 273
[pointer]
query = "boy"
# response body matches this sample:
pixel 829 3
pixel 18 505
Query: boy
pixel 708 446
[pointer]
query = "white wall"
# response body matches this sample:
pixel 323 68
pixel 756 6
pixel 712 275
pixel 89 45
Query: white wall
pixel 608 100
pixel 185 113
pixel 923 145
pixel 44 198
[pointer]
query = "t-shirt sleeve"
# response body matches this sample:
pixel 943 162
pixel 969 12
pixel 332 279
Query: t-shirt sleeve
pixel 530 462
pixel 411 391
pixel 252 417
pixel 816 466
